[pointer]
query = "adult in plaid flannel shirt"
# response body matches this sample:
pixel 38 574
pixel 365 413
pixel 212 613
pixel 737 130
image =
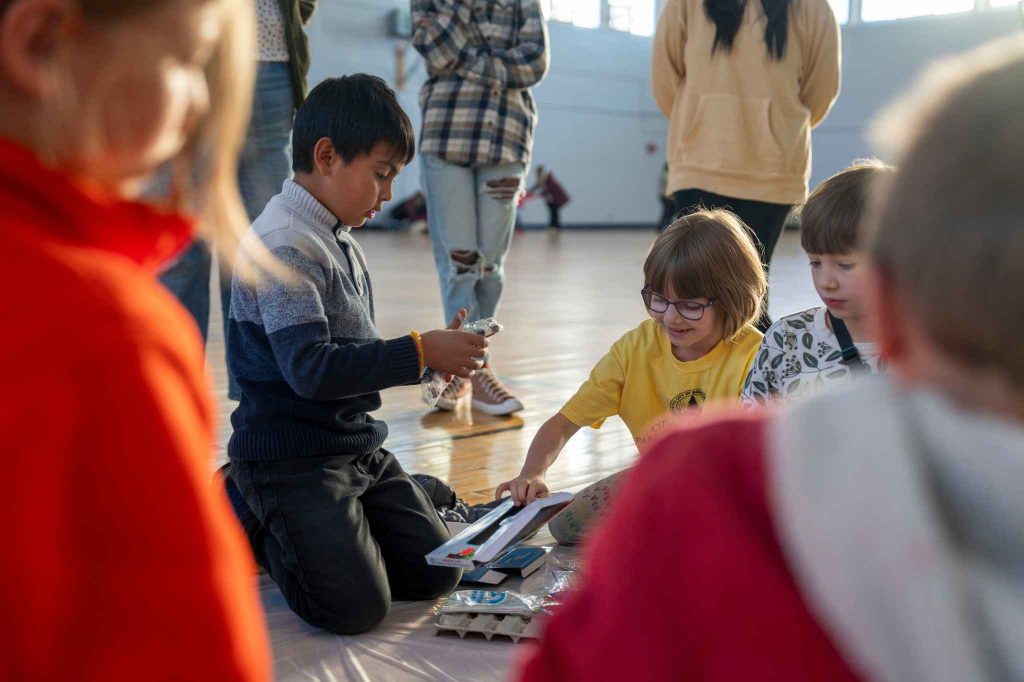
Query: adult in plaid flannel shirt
pixel 482 57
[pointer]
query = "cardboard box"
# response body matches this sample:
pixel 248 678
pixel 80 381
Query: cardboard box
pixel 519 561
pixel 501 528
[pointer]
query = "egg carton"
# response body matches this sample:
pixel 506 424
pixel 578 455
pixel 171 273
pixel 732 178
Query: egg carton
pixel 489 625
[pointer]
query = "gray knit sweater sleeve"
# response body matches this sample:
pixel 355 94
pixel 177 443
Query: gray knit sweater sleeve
pixel 318 362
pixel 305 349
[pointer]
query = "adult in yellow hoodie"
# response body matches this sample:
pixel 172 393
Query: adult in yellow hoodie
pixel 742 83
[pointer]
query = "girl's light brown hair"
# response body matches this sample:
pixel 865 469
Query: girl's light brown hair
pixel 948 229
pixel 204 176
pixel 710 254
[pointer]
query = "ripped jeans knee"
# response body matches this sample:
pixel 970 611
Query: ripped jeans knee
pixel 505 189
pixel 465 261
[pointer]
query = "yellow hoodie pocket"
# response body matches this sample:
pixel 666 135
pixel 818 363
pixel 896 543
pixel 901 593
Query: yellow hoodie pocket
pixel 732 134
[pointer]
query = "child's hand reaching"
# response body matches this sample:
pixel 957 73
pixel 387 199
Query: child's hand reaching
pixel 550 439
pixel 523 489
pixel 452 351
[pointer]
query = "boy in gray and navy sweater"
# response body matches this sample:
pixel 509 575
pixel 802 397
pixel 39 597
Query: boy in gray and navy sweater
pixel 330 514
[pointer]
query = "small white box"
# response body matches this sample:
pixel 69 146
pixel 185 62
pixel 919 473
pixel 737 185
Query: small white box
pixel 501 528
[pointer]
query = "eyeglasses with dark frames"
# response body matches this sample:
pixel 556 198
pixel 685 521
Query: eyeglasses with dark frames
pixel 690 310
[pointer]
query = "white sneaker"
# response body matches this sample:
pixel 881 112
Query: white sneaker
pixel 454 392
pixel 490 395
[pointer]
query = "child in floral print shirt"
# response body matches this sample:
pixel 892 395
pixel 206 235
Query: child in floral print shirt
pixel 800 352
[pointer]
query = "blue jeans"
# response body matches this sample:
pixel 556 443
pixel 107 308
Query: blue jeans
pixel 264 164
pixel 471 233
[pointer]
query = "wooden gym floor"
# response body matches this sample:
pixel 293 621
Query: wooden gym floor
pixel 568 296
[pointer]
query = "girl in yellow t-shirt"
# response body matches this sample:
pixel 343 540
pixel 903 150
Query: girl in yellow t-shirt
pixel 703 287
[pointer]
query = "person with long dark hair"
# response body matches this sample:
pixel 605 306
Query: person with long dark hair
pixel 742 83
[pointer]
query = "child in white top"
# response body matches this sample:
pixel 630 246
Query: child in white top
pixel 802 352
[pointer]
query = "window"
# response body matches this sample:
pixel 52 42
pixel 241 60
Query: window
pixel 633 16
pixel 884 10
pixel 583 13
pixel 841 8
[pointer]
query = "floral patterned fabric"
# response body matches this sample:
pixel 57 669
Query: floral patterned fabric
pixel 798 356
pixel 271 45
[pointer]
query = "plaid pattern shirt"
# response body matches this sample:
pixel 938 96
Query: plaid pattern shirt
pixel 482 57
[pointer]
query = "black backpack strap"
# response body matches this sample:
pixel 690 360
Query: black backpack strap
pixel 851 356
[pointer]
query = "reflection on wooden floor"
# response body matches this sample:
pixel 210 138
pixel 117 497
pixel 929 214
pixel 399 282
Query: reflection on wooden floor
pixel 568 297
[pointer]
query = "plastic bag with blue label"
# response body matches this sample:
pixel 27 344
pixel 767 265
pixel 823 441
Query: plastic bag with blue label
pixel 506 614
pixel 496 603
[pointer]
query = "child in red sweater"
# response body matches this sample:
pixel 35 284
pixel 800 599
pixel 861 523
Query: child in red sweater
pixel 120 560
pixel 872 534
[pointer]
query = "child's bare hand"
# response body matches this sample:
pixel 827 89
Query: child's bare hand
pixel 452 351
pixel 523 489
pixel 457 321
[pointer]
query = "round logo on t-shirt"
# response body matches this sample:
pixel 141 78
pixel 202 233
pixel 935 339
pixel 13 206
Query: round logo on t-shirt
pixel 691 399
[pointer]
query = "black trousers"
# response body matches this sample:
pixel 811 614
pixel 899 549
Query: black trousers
pixel 553 218
pixel 343 535
pixel 765 221
pixel 668 212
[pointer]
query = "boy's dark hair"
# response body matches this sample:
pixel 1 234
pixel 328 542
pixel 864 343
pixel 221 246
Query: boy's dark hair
pixel 355 112
pixel 830 220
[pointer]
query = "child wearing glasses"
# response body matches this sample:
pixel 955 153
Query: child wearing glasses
pixel 704 287
pixel 829 344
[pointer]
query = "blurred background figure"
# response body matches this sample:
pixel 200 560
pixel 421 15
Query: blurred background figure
pixel 281 67
pixel 553 194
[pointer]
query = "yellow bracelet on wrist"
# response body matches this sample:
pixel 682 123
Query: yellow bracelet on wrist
pixel 418 340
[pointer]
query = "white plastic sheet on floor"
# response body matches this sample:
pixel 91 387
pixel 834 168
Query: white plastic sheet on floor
pixel 405 646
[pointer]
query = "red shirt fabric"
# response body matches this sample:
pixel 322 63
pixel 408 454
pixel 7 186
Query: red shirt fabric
pixel 553 191
pixel 686 579
pixel 121 559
